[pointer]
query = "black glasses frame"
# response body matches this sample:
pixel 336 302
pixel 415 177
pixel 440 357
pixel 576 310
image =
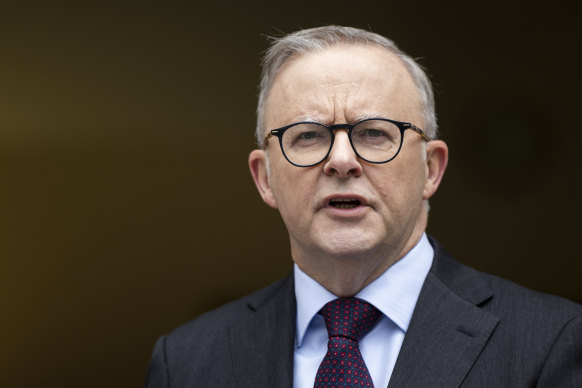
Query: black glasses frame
pixel 402 126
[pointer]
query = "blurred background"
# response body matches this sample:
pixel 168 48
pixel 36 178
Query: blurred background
pixel 126 206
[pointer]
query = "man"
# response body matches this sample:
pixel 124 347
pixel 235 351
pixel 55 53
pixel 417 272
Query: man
pixel 349 156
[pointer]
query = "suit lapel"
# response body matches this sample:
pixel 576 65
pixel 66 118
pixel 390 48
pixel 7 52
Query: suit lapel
pixel 448 328
pixel 261 343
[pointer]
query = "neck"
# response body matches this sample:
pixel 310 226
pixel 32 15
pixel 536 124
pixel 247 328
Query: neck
pixel 346 275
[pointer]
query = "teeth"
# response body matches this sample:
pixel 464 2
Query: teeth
pixel 344 205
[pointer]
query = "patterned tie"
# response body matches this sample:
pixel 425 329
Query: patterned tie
pixel 347 321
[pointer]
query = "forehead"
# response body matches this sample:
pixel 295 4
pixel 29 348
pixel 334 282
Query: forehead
pixel 342 83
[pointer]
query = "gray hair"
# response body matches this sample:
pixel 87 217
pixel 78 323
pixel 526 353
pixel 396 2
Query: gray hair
pixel 316 39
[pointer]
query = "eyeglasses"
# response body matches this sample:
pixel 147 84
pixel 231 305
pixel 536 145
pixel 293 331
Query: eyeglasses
pixel 375 140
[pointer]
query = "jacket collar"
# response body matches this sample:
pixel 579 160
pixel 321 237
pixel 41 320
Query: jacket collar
pixel 448 329
pixel 261 341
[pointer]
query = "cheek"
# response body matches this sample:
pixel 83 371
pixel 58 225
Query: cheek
pixel 293 188
pixel 399 186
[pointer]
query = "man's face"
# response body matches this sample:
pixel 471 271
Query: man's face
pixel 343 84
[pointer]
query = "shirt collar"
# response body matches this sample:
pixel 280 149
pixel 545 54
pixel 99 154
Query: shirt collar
pixel 394 293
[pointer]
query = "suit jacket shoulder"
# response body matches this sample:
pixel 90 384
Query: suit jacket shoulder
pixel 236 342
pixel 541 335
pixel 471 329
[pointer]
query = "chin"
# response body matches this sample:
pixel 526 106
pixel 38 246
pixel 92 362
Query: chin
pixel 349 247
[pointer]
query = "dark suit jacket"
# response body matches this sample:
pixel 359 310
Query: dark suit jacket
pixel 468 329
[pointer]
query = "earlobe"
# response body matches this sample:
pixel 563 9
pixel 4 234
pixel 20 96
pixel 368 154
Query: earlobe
pixel 258 167
pixel 437 157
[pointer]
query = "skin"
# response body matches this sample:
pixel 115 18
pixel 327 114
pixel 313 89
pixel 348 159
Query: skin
pixel 346 249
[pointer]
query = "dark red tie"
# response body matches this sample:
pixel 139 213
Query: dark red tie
pixel 347 321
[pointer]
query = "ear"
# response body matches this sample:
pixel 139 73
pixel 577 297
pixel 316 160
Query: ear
pixel 437 157
pixel 258 167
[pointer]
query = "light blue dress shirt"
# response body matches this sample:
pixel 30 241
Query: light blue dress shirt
pixel 394 293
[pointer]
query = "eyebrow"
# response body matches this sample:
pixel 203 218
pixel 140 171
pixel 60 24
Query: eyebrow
pixel 367 116
pixel 310 119
pixel 364 116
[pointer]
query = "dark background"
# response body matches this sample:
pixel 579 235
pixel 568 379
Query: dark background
pixel 126 206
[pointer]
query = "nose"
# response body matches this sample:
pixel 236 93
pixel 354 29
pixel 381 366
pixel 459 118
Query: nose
pixel 342 161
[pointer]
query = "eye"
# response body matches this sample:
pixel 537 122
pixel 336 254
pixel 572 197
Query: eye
pixel 308 135
pixel 373 133
pixel 376 133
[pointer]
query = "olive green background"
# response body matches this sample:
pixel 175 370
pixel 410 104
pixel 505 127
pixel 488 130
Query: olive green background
pixel 126 206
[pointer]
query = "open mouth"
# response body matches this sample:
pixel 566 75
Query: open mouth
pixel 344 203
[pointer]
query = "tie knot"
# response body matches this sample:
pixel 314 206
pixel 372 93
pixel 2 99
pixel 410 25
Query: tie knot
pixel 349 317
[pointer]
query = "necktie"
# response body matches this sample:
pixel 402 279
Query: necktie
pixel 347 321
